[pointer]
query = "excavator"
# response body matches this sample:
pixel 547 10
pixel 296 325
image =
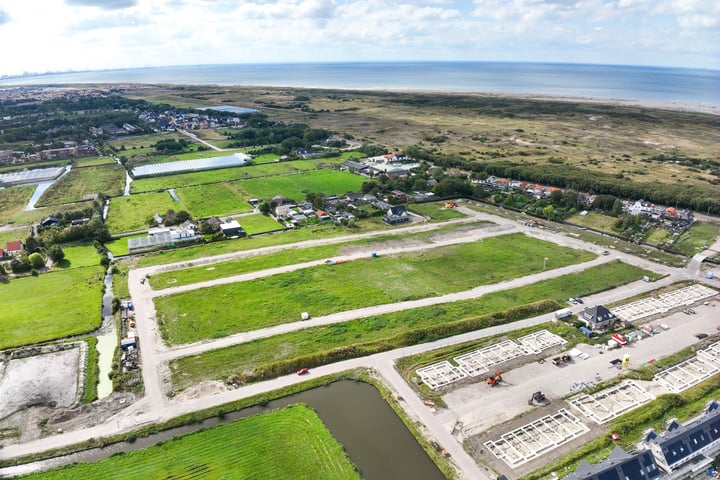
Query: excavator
pixel 538 398
pixel 495 379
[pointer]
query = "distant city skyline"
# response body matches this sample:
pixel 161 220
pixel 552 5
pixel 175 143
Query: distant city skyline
pixel 63 35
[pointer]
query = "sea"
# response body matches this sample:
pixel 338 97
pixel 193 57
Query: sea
pixel 658 84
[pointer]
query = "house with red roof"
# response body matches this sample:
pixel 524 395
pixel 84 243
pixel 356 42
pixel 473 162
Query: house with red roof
pixel 14 248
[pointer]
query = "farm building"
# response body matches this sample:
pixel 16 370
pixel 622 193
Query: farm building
pixel 619 466
pixel 598 318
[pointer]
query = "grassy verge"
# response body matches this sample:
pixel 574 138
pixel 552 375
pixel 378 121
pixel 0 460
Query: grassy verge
pixel 323 290
pixel 630 426
pixel 268 357
pixel 287 443
pixel 92 371
pixel 49 306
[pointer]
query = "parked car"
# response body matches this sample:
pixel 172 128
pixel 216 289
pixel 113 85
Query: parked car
pixel 303 371
pixel 579 300
pixel 572 301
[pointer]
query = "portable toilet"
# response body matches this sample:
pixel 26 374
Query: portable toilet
pixel 304 316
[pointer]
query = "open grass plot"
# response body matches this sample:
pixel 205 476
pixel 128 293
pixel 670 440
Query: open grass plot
pixel 436 211
pixel 534 439
pixel 49 306
pixel 611 402
pixel 93 161
pixel 684 375
pixel 536 342
pixel 697 238
pixel 13 200
pixel 217 199
pixel 131 213
pixel 378 333
pixel 440 374
pixel 480 361
pixel 259 223
pixel 329 182
pixel 203 313
pixel 228 174
pixel 77 256
pixel 79 182
pixel 288 443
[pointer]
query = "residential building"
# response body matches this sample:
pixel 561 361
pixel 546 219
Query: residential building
pixel 14 248
pixel 598 318
pixel 620 465
pixel 396 214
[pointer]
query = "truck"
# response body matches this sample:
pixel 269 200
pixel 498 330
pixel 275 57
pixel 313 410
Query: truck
pixel 564 313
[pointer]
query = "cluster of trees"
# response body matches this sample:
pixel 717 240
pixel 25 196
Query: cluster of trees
pixel 285 138
pixel 699 198
pixel 171 146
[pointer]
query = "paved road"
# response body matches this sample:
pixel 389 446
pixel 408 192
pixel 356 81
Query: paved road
pixel 199 140
pixel 156 407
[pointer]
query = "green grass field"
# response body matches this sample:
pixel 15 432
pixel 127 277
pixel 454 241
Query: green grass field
pixel 598 221
pixel 49 306
pixel 77 256
pixel 130 213
pixel 142 141
pixel 289 256
pixel 216 199
pixel 259 223
pixel 228 174
pixel 700 236
pixel 13 200
pixel 108 179
pixel 435 211
pixel 93 161
pixel 291 443
pixel 297 186
pixel 20 234
pixel 324 289
pixel 389 331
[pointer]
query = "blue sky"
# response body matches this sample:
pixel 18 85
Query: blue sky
pixel 58 35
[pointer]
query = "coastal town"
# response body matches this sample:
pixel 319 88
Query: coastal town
pixel 505 326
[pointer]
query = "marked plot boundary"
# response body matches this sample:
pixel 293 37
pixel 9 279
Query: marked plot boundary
pixel 711 353
pixel 682 376
pixel 523 444
pixel 662 303
pixel 440 374
pixel 480 361
pixel 536 342
pixel 612 402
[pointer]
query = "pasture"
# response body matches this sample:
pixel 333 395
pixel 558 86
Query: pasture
pixel 288 443
pixel 322 290
pixel 131 213
pixel 93 161
pixel 108 179
pixel 258 223
pixel 13 200
pixel 216 199
pixel 78 255
pixel 295 187
pixel 228 174
pixel 380 333
pixel 50 306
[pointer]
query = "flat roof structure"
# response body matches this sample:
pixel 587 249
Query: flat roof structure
pixel 212 163
pixel 36 175
pixel 611 402
pixel 526 443
pixel 440 374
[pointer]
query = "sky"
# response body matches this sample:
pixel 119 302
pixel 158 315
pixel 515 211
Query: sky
pixel 60 35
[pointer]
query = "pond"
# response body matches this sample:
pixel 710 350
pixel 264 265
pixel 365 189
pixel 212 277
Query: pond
pixel 374 437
